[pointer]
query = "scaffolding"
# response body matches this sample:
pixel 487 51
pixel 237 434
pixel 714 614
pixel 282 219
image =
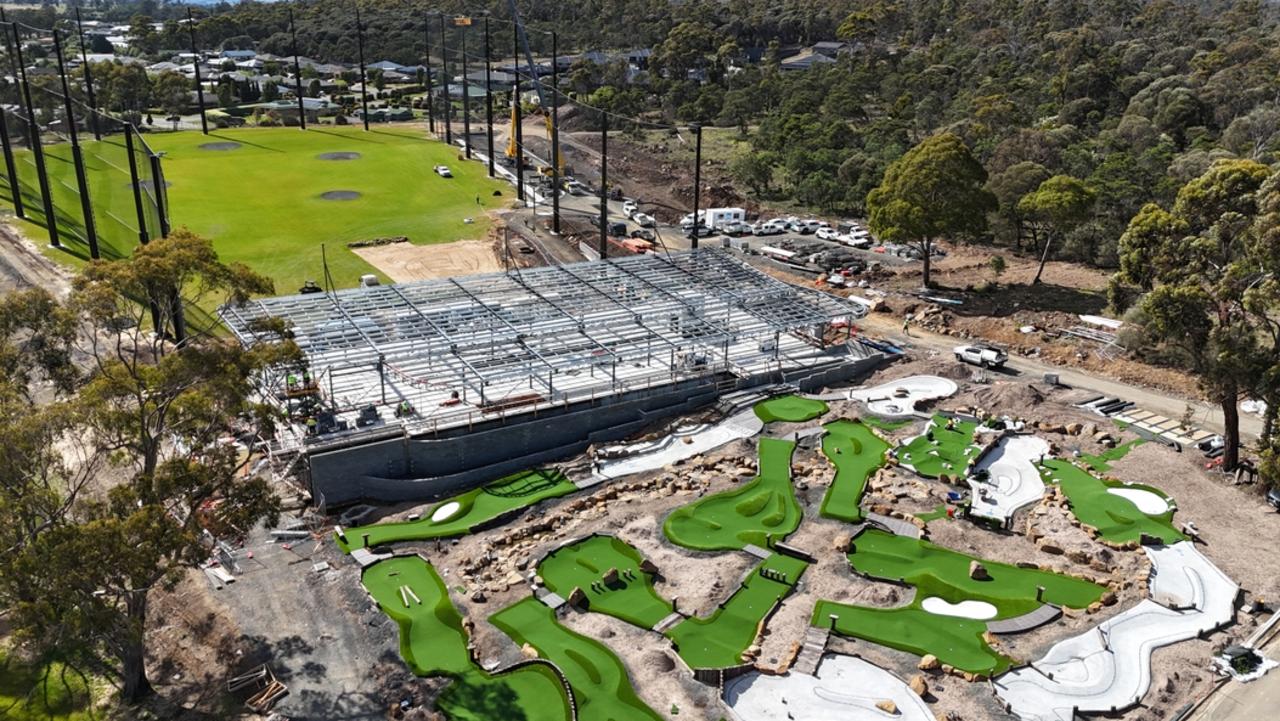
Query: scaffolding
pixel 458 350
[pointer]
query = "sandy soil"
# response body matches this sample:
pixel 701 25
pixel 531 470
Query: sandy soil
pixel 406 261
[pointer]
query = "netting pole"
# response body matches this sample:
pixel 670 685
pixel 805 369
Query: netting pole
pixel 697 184
pixel 77 156
pixel 448 101
pixel 8 163
pixel 162 210
pixel 488 94
pixel 195 64
pixel 364 83
pixel 297 73
pixel 555 133
pixel 604 185
pixel 426 51
pixel 88 80
pixel 519 133
pixel 37 152
pixel 466 97
pixel 143 237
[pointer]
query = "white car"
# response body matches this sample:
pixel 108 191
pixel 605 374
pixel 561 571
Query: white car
pixel 769 227
pixel 857 239
pixel 828 234
pixel 629 208
pixel 443 171
pixel 981 355
pixel 644 220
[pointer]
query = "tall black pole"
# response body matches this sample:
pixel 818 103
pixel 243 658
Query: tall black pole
pixel 431 100
pixel 488 95
pixel 297 73
pixel 77 157
pixel 88 80
pixel 195 63
pixel 162 209
pixel 9 167
pixel 364 85
pixel 697 183
pixel 519 134
pixel 37 151
pixel 604 185
pixel 448 101
pixel 555 133
pixel 143 236
pixel 466 97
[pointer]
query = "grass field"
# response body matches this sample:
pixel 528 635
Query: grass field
pixel 260 202
pixel 719 640
pixel 1115 518
pixel 582 564
pixel 50 692
pixel 474 508
pixel 598 678
pixel 939 450
pixel 792 409
pixel 763 507
pixel 856 452
pixel 955 641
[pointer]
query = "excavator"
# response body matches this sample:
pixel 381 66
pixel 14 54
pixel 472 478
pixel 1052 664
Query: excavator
pixel 513 151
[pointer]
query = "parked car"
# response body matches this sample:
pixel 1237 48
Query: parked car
pixel 575 188
pixel 768 227
pixel 629 207
pixel 828 234
pixel 644 220
pixel 804 227
pixel 443 171
pixel 735 227
pixel 1273 497
pixel 643 234
pixel 981 355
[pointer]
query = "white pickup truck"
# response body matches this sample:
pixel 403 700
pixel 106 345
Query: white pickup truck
pixel 981 355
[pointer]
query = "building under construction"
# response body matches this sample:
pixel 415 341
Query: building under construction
pixel 429 387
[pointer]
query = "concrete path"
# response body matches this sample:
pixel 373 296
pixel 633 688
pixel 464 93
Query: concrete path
pixel 681 445
pixel 1109 667
pixel 844 688
pixel 898 399
pixel 1014 481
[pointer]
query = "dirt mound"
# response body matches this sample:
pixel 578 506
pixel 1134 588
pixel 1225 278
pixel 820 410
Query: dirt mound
pixel 1008 396
pixel 659 661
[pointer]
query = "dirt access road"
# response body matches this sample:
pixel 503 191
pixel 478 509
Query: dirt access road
pixel 1170 406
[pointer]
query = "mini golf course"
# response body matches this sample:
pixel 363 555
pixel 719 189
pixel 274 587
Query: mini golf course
pixel 598 678
pixel 719 640
pixel 1101 462
pixel 939 450
pixel 762 508
pixel 955 641
pixel 584 564
pixel 1115 517
pixel 943 573
pixel 458 515
pixel 856 452
pixel 791 409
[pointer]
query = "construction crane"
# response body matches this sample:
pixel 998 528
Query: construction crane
pixel 513 151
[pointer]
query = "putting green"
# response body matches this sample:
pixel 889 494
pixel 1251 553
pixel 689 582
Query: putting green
pixel 598 678
pixel 763 507
pixel 856 452
pixel 584 564
pixel 474 508
pixel 942 572
pixel 1116 518
pixel 955 641
pixel 719 640
pixel 884 424
pixel 434 643
pixel 792 409
pixel 1101 462
pixel 941 451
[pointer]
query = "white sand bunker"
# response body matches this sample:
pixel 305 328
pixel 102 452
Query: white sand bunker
pixel 1146 501
pixel 1013 480
pixel 845 688
pixel 980 610
pixel 899 398
pixel 445 512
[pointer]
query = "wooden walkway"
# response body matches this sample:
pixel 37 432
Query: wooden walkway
pixel 815 644
pixel 757 551
pixel 1027 621
pixel 668 622
pixel 896 526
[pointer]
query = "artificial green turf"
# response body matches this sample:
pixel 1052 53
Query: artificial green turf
pixel 792 409
pixel 942 572
pixel 856 452
pixel 598 678
pixel 719 640
pixel 948 452
pixel 1101 462
pixel 936 514
pixel 763 507
pixel 529 693
pixel 955 641
pixel 45 692
pixel 1116 518
pixel 476 507
pixel 631 598
pixel 884 424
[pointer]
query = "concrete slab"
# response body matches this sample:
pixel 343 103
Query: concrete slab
pixel 844 687
pixel 897 399
pixel 685 443
pixel 1014 481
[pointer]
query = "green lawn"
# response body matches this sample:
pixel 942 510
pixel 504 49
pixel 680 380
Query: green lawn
pixel 1115 518
pixel 598 678
pixel 260 203
pixel 792 409
pixel 955 641
pixel 942 572
pixel 474 508
pixel 49 692
pixel 719 640
pixel 582 564
pixel 946 451
pixel 856 452
pixel 763 507
pixel 1102 461
pixel 884 424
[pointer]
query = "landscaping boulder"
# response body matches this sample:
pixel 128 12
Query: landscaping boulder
pixel 918 685
pixel 610 577
pixel 649 567
pixel 528 651
pixel 577 599
pixel 928 662
pixel 978 572
pixel 887 706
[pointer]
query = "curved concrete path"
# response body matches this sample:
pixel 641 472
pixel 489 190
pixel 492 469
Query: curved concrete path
pixel 1014 479
pixel 1109 667
pixel 683 444
pixel 898 399
pixel 844 688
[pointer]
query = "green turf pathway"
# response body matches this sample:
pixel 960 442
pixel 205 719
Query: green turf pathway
pixel 584 564
pixel 955 641
pixel 792 409
pixel 763 507
pixel 947 452
pixel 1101 462
pixel 856 452
pixel 1116 518
pixel 474 508
pixel 598 677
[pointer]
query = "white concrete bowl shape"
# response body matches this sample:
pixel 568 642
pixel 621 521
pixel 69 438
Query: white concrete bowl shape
pixel 980 610
pixel 445 512
pixel 1146 501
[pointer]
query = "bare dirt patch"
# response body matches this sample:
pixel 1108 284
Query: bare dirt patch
pixel 406 261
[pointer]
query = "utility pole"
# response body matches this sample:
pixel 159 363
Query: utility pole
pixel 697 183
pixel 448 101
pixel 466 92
pixel 195 64
pixel 33 137
pixel 88 80
pixel 77 157
pixel 364 84
pixel 555 133
pixel 431 101
pixel 488 94
pixel 297 74
pixel 519 134
pixel 604 185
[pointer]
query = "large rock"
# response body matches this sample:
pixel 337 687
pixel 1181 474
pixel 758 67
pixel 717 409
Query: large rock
pixel 611 576
pixel 928 662
pixel 649 567
pixel 528 651
pixel 577 599
pixel 918 685
pixel 978 572
pixel 887 706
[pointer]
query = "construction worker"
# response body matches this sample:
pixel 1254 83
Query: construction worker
pixel 906 325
